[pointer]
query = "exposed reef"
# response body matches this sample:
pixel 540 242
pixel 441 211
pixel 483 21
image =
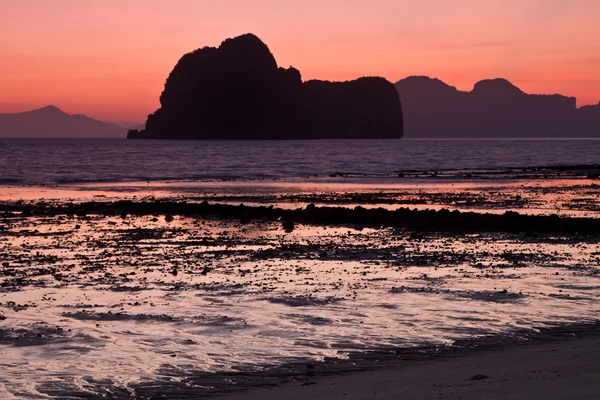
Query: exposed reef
pixel 411 219
pixel 237 91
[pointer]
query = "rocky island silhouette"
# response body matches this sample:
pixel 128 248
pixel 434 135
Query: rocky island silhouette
pixel 237 91
pixel 495 108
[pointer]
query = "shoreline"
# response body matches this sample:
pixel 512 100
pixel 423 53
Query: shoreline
pixel 565 367
pixel 402 177
pixel 425 220
pixel 181 299
pixel 573 196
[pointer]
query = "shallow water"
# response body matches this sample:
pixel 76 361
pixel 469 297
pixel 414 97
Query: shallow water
pixel 574 196
pixel 96 304
pixel 104 306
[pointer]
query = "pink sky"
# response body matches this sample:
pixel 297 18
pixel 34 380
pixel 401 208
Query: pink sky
pixel 109 59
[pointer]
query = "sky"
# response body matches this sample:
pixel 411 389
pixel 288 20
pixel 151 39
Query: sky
pixel 109 59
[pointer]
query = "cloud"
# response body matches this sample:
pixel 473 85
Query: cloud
pixel 472 45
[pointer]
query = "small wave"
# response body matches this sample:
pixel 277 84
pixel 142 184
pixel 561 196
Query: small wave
pixel 309 319
pixel 303 301
pixel 119 316
pixel 38 336
pixel 485 295
pixel 10 181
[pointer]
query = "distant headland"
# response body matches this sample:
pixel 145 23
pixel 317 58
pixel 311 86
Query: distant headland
pixel 237 91
pixel 52 122
pixel 495 108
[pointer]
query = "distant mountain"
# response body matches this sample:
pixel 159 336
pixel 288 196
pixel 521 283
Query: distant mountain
pixel 589 116
pixel 495 108
pixel 51 122
pixel 237 91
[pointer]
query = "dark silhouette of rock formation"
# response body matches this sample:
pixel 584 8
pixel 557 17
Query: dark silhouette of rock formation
pixel 411 219
pixel 589 119
pixel 51 122
pixel 495 108
pixel 237 91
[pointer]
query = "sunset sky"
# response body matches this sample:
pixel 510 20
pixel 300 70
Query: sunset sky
pixel 109 59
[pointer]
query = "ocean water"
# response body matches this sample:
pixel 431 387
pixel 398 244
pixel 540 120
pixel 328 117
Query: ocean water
pixel 47 161
pixel 97 306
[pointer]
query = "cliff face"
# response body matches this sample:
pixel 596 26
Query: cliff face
pixel 495 108
pixel 237 91
pixel 588 118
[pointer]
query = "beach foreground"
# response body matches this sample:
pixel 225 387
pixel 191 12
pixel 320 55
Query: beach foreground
pixel 215 290
pixel 562 369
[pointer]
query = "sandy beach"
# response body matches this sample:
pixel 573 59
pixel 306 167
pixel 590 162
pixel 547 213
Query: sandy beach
pixel 562 369
pixel 195 295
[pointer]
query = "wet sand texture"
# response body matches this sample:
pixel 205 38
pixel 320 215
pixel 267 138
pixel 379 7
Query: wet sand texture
pixel 189 298
pixel 567 369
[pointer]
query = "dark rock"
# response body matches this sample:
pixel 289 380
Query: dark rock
pixel 288 226
pixel 205 271
pixel 410 219
pixel 237 91
pixel 244 219
pixel 478 377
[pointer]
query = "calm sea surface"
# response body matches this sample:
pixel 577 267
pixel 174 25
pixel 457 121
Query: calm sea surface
pixel 47 161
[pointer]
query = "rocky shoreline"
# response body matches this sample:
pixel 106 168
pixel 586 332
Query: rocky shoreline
pixel 412 219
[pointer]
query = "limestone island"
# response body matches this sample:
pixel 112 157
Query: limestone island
pixel 237 91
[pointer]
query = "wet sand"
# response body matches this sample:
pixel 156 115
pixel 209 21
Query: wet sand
pixel 564 369
pixel 179 297
pixel 566 195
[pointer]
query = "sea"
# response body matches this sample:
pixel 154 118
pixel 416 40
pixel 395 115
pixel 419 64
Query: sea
pixel 64 161
pixel 116 305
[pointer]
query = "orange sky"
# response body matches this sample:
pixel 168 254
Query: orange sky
pixel 109 59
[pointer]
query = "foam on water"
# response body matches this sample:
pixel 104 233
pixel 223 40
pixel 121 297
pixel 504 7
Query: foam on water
pixel 100 306
pixel 118 304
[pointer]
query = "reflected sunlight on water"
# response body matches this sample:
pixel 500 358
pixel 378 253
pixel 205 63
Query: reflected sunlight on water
pixel 120 299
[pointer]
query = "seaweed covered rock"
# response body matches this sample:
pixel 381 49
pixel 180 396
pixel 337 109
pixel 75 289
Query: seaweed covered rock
pixel 237 91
